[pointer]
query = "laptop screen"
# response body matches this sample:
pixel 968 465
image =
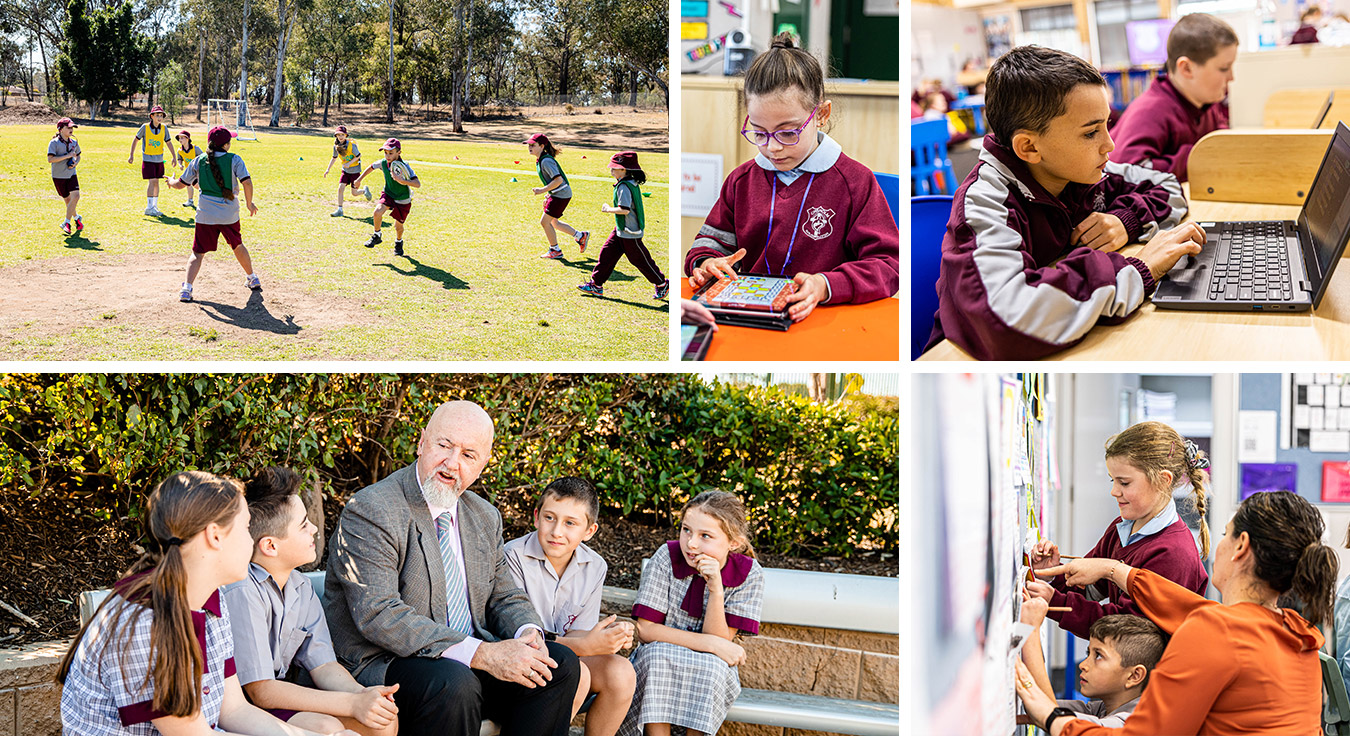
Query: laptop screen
pixel 1325 217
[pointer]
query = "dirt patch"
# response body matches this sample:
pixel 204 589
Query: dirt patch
pixel 141 293
pixel 615 127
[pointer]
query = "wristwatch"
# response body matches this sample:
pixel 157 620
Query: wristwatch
pixel 1057 713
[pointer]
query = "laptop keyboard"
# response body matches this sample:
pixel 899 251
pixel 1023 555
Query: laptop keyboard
pixel 1257 265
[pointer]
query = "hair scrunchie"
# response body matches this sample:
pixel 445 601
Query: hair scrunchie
pixel 1193 458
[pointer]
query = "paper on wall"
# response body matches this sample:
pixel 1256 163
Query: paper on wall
pixel 1302 416
pixel 1315 395
pixel 1325 441
pixel 1256 436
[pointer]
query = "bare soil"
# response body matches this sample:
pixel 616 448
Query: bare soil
pixel 113 291
pixel 590 127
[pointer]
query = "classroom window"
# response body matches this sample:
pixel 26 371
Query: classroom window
pixel 1053 26
pixel 1112 15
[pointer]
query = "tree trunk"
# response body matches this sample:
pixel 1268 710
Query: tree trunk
pixel 46 73
pixel 243 72
pixel 633 88
pixel 201 80
pixel 281 58
pixel 327 95
pixel 389 112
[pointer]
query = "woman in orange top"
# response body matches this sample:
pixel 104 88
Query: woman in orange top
pixel 1238 667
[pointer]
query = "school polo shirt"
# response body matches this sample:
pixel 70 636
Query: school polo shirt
pixel 550 170
pixel 564 603
pixel 107 692
pixel 154 144
pixel 275 627
pixel 57 147
pixel 217 210
pixel 826 154
pixel 1158 523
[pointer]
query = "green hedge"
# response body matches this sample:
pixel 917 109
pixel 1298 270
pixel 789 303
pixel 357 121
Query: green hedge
pixel 817 479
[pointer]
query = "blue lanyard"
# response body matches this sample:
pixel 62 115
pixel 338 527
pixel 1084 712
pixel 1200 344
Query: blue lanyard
pixel 773 200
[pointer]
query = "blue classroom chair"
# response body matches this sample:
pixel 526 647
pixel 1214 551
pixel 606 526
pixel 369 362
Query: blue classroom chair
pixel 928 216
pixel 890 186
pixel 928 153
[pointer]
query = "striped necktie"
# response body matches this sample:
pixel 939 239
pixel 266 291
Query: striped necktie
pixel 457 614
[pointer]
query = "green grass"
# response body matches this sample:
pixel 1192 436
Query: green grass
pixel 473 287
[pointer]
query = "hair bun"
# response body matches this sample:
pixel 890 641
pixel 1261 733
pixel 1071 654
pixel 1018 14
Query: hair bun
pixel 783 41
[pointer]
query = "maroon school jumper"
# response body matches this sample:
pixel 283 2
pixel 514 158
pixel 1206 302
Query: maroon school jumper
pixel 1011 287
pixel 845 230
pixel 1304 34
pixel 1160 127
pixel 1170 553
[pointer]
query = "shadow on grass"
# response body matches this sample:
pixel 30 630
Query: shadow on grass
pixel 180 222
pixel 444 278
pixel 655 305
pixel 588 265
pixel 253 316
pixel 80 242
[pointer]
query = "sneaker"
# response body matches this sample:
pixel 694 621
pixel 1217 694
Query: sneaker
pixel 662 289
pixel 79 223
pixel 375 240
pixel 154 212
pixel 366 191
pixel 554 252
pixel 150 211
pixel 189 203
pixel 398 247
pixel 590 287
pixel 583 238
pixel 65 228
pixel 336 213
pixel 185 295
pixel 254 282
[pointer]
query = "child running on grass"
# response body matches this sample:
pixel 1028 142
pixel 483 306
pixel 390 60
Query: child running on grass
pixel 186 152
pixel 218 172
pixel 63 153
pixel 627 236
pixel 345 148
pixel 396 197
pixel 559 193
pixel 154 138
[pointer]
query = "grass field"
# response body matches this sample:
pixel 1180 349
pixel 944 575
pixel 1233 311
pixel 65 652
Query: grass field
pixel 471 286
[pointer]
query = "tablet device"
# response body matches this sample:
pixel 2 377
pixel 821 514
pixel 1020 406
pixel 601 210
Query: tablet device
pixel 694 341
pixel 749 300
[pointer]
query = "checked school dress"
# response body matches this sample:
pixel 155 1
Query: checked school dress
pixel 676 685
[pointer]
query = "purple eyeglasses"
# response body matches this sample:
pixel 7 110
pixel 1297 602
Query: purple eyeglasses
pixel 786 137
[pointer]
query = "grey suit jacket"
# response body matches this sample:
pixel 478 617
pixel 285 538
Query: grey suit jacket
pixel 385 587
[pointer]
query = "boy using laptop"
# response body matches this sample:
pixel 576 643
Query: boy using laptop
pixel 564 579
pixel 277 620
pixel 1186 103
pixel 1028 261
pixel 1122 651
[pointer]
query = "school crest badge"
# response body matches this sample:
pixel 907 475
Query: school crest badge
pixel 1099 202
pixel 818 225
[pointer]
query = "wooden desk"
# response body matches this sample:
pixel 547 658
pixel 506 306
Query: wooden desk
pixel 846 332
pixel 1170 334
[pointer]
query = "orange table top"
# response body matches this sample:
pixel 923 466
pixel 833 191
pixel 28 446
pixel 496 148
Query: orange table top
pixel 845 332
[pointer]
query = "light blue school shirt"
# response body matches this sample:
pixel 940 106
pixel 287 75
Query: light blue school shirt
pixel 1158 523
pixel 827 153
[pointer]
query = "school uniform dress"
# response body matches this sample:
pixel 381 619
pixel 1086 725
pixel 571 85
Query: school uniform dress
pixel 154 143
pixel 1010 285
pixel 104 693
pixel 626 238
pixel 63 172
pixel 1239 669
pixel 563 602
pixel 396 197
pixel 557 200
pixel 1159 128
pixel 827 216
pixel 1164 546
pixel 351 162
pixel 275 628
pixel 676 685
pixel 216 215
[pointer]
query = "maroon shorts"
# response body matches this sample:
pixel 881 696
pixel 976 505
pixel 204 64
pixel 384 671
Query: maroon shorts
pixel 206 237
pixel 282 714
pixel 152 170
pixel 554 206
pixel 397 211
pixel 349 178
pixel 65 186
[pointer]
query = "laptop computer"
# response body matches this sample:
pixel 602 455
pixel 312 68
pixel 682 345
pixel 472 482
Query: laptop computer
pixel 1326 108
pixel 1271 266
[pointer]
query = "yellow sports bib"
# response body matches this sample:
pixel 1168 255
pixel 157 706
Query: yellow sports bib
pixel 153 143
pixel 349 157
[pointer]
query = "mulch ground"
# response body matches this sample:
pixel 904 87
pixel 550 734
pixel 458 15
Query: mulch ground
pixel 51 551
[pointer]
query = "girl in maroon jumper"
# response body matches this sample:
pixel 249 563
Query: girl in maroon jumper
pixel 1146 462
pixel 801 208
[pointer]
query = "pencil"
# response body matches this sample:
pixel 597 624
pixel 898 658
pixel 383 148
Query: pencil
pixel 1064 609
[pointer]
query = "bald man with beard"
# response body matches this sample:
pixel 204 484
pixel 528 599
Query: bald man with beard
pixel 419 594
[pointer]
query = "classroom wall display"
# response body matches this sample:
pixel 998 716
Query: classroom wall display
pixel 1300 399
pixel 987 444
pixel 1320 420
pixel 1262 477
pixel 1336 482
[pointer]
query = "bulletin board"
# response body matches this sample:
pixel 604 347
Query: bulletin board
pixel 988 515
pixel 1298 399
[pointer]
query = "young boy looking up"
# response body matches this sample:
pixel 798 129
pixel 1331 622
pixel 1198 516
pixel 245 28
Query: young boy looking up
pixel 277 620
pixel 563 579
pixel 1159 128
pixel 1122 651
pixel 1028 261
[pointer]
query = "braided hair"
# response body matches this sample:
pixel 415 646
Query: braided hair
pixel 213 164
pixel 1154 447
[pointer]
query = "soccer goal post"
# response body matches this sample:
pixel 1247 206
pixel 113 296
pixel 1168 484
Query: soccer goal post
pixel 232 114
